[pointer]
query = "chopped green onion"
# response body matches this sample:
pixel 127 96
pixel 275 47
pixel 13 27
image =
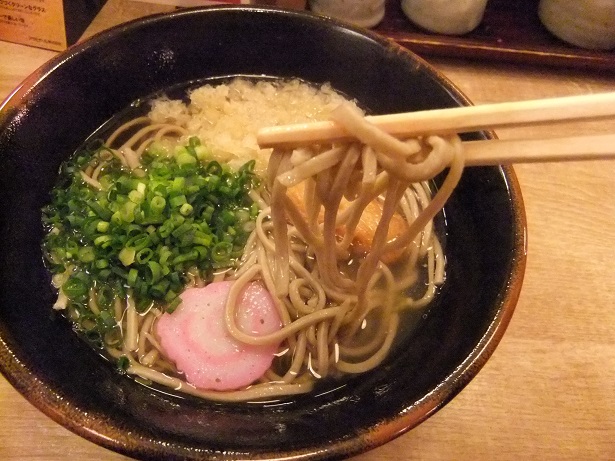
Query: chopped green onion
pixel 173 305
pixel 86 254
pixel 127 213
pixel 75 289
pixel 157 204
pixel 127 256
pixel 184 159
pixel 102 226
pixel 101 264
pixel 186 209
pixel 144 255
pixel 123 363
pixel 133 275
pixel 135 196
pixel 185 213
pixel 221 251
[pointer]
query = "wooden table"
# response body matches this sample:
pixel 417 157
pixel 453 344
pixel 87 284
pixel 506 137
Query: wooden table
pixel 548 392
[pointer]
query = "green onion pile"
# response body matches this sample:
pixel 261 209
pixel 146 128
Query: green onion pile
pixel 185 215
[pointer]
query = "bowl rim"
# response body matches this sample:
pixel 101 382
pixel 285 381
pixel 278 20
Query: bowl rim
pixel 37 392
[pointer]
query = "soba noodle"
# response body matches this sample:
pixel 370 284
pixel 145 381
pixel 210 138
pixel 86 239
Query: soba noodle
pixel 340 309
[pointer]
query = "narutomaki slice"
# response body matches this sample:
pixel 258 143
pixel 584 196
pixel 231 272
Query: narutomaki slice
pixel 195 336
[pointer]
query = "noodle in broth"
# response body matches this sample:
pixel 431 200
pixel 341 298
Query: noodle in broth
pixel 340 306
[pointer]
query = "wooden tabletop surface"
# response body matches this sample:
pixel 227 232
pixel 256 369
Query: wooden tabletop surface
pixel 548 392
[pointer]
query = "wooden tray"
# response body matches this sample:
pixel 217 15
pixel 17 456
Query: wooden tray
pixel 510 32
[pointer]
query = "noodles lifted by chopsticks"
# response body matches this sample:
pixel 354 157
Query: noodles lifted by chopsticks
pixel 303 248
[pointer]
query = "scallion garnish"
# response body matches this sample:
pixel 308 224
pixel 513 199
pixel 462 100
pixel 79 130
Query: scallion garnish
pixel 145 233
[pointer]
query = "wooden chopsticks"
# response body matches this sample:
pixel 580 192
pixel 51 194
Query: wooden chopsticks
pixel 476 118
pixel 506 152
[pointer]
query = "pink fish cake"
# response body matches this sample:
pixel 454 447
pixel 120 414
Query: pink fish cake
pixel 196 339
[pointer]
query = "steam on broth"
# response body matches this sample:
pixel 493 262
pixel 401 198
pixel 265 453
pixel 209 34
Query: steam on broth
pixel 203 263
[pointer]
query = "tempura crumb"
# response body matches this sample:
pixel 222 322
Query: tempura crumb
pixel 227 117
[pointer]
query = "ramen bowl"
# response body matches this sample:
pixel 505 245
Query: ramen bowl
pixel 60 105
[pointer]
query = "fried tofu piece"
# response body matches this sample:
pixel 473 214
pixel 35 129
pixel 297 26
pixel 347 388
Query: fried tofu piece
pixel 366 227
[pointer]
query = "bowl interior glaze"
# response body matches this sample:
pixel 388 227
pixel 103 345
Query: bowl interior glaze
pixel 60 105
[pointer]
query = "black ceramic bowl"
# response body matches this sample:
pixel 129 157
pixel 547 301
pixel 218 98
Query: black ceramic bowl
pixel 55 109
